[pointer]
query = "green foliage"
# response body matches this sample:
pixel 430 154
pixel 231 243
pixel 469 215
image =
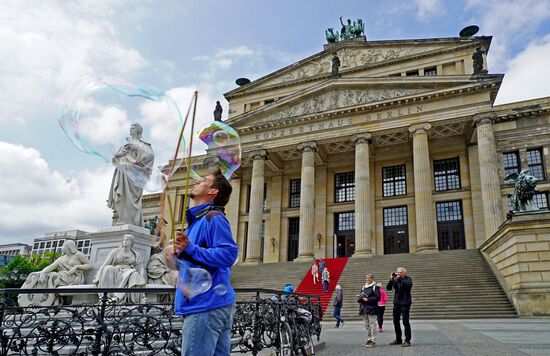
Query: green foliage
pixel 21 266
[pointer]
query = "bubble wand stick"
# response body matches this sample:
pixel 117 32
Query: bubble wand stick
pixel 187 173
pixel 163 195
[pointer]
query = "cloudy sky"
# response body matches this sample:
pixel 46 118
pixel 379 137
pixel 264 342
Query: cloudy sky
pixel 180 46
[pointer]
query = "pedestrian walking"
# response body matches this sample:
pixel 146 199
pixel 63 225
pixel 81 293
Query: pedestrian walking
pixel 381 306
pixel 315 272
pixel 338 302
pixel 326 279
pixel 368 299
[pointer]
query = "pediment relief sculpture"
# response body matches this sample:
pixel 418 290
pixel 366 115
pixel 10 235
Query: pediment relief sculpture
pixel 337 99
pixel 350 58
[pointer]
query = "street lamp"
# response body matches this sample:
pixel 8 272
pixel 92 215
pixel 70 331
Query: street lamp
pixel 319 237
pixel 273 243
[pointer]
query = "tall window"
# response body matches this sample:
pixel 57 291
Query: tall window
pixel 540 200
pixel 511 162
pixel 294 199
pixel 344 187
pixel 534 162
pixel 393 181
pixel 395 216
pixel 446 174
pixel 448 211
pixel 345 221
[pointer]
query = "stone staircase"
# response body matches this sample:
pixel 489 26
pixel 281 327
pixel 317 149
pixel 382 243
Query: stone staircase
pixel 268 276
pixel 455 284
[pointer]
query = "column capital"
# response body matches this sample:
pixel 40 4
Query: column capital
pixel 258 154
pixel 420 128
pixel 310 146
pixel 365 137
pixel 484 119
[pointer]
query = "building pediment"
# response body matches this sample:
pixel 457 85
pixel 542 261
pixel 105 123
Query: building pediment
pixel 348 94
pixel 355 57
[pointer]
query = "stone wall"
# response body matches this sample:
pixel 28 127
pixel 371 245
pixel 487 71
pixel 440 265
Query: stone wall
pixel 520 254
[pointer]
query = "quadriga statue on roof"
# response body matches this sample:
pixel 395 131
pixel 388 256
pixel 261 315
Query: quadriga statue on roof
pixel 65 271
pixel 524 190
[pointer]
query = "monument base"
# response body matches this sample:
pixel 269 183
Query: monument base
pixel 106 240
pixel 519 253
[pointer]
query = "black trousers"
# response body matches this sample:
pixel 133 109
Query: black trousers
pixel 398 312
pixel 380 315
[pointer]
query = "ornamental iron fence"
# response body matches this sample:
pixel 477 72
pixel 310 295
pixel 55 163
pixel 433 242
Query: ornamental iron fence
pixel 152 328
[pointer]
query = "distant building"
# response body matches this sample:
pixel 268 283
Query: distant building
pixel 15 249
pixel 4 260
pixel 53 242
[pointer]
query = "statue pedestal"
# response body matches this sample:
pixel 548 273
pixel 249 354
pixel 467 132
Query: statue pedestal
pixel 519 253
pixel 106 240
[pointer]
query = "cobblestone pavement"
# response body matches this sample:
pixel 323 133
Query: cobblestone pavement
pixel 495 337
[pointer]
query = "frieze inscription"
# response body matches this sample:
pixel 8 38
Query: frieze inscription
pixel 334 123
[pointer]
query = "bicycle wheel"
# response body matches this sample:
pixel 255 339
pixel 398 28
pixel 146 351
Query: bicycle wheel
pixel 286 342
pixel 306 346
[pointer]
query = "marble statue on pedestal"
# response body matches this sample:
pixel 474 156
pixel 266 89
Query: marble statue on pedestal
pixel 123 268
pixel 159 271
pixel 65 271
pixel 125 195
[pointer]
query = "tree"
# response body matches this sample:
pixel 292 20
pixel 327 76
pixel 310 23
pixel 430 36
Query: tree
pixel 16 271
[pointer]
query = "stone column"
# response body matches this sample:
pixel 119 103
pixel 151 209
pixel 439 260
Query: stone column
pixel 307 199
pixel 362 193
pixel 488 169
pixel 256 208
pixel 425 235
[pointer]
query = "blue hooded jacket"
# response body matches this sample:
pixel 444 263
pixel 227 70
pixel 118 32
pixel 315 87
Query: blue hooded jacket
pixel 211 247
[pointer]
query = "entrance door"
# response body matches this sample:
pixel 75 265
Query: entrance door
pixel 450 226
pixel 345 234
pixel 293 234
pixel 396 230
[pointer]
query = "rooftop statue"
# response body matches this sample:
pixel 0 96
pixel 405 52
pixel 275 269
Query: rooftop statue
pixel 331 35
pixel 349 31
pixel 125 195
pixel 524 190
pixel 218 112
pixel 477 58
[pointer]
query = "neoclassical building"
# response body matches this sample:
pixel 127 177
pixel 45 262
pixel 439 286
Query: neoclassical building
pixel 401 150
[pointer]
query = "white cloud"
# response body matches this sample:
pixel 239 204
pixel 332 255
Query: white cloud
pixel 47 44
pixel 225 58
pixel 510 22
pixel 528 73
pixel 35 199
pixel 426 9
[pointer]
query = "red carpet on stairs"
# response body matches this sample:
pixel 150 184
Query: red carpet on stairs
pixel 335 267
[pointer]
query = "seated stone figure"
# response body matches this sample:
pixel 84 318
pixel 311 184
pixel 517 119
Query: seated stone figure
pixel 123 268
pixel 159 271
pixel 66 270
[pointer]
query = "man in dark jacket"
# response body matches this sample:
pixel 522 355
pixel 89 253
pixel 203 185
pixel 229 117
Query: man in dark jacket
pixel 402 300
pixel 207 243
pixel 338 302
pixel 368 299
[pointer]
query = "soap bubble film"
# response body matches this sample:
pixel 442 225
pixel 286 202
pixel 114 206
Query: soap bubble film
pixel 97 115
pixel 192 281
pixel 223 150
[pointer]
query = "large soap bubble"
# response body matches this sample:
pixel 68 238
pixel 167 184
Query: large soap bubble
pixel 192 281
pixel 223 150
pixel 103 117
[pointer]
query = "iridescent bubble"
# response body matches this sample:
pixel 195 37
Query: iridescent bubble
pixel 220 289
pixel 192 281
pixel 97 113
pixel 223 150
